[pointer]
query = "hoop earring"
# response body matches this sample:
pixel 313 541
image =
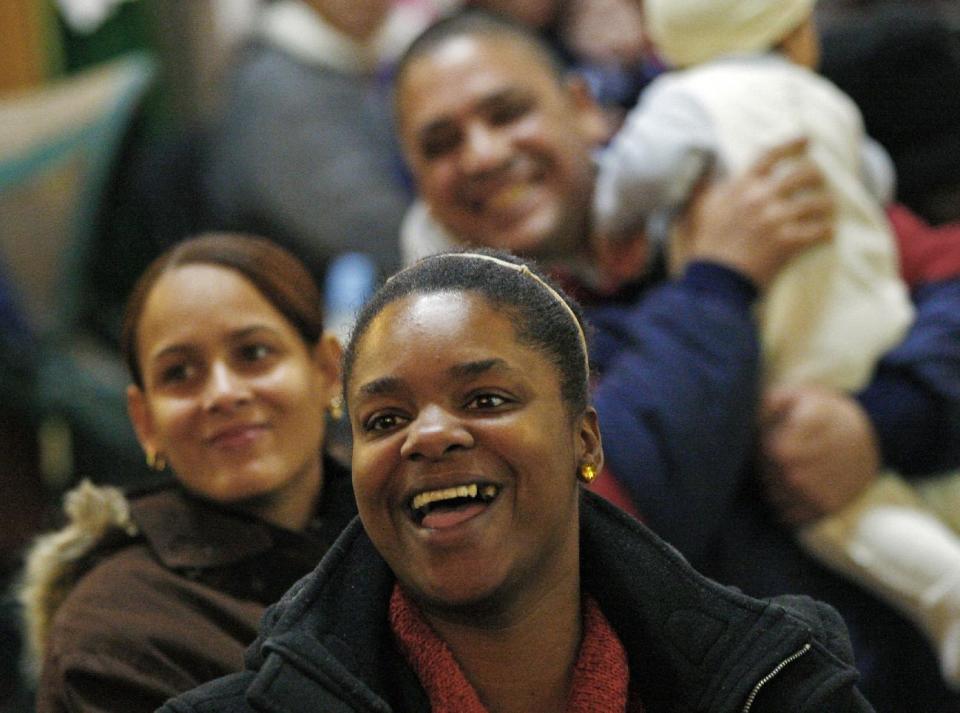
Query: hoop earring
pixel 335 407
pixel 588 473
pixel 156 461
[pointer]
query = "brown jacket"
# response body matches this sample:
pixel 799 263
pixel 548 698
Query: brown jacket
pixel 160 607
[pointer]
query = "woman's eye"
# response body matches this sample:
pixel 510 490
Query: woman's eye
pixel 175 374
pixel 486 401
pixel 382 422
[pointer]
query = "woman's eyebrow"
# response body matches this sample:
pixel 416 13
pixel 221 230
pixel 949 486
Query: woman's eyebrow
pixel 237 335
pixel 179 349
pixel 251 330
pixel 381 386
pixel 391 384
pixel 475 368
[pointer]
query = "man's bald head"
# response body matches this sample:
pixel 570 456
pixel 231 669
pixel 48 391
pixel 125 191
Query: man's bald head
pixel 483 24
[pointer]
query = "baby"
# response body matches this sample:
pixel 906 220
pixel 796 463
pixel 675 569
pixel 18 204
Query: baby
pixel 745 81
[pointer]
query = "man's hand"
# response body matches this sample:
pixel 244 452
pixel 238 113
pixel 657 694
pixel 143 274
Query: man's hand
pixel 755 223
pixel 818 451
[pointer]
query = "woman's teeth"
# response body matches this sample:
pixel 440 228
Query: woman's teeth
pixel 452 498
pixel 472 491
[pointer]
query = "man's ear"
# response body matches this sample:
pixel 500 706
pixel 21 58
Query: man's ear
pixel 140 418
pixel 594 125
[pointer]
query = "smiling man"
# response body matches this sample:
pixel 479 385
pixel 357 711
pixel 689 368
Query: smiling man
pixel 496 161
pixel 500 145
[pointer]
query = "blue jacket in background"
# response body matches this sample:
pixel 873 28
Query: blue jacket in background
pixel 677 392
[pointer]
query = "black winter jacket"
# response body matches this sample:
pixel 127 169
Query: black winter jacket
pixel 694 646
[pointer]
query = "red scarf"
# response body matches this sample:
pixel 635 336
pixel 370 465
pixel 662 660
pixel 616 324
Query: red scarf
pixel 927 252
pixel 600 675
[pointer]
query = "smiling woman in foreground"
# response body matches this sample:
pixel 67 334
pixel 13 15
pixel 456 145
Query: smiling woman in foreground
pixel 482 576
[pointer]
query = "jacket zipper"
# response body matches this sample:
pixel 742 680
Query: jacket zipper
pixel 773 674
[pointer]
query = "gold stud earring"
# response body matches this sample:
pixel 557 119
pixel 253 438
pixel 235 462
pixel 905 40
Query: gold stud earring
pixel 336 407
pixel 155 461
pixel 588 473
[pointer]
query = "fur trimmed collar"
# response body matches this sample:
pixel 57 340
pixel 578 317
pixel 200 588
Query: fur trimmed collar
pixel 57 560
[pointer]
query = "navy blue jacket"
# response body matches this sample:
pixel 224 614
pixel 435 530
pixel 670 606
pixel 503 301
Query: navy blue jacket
pixel 693 646
pixel 677 394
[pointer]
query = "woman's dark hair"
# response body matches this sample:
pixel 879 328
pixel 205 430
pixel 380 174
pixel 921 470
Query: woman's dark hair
pixel 279 276
pixel 540 319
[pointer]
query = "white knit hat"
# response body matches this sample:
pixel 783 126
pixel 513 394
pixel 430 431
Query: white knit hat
pixel 688 32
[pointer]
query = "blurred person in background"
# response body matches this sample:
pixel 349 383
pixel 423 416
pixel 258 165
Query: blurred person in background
pixel 303 151
pixel 148 593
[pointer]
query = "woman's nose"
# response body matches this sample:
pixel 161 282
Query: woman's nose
pixel 224 389
pixel 434 433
